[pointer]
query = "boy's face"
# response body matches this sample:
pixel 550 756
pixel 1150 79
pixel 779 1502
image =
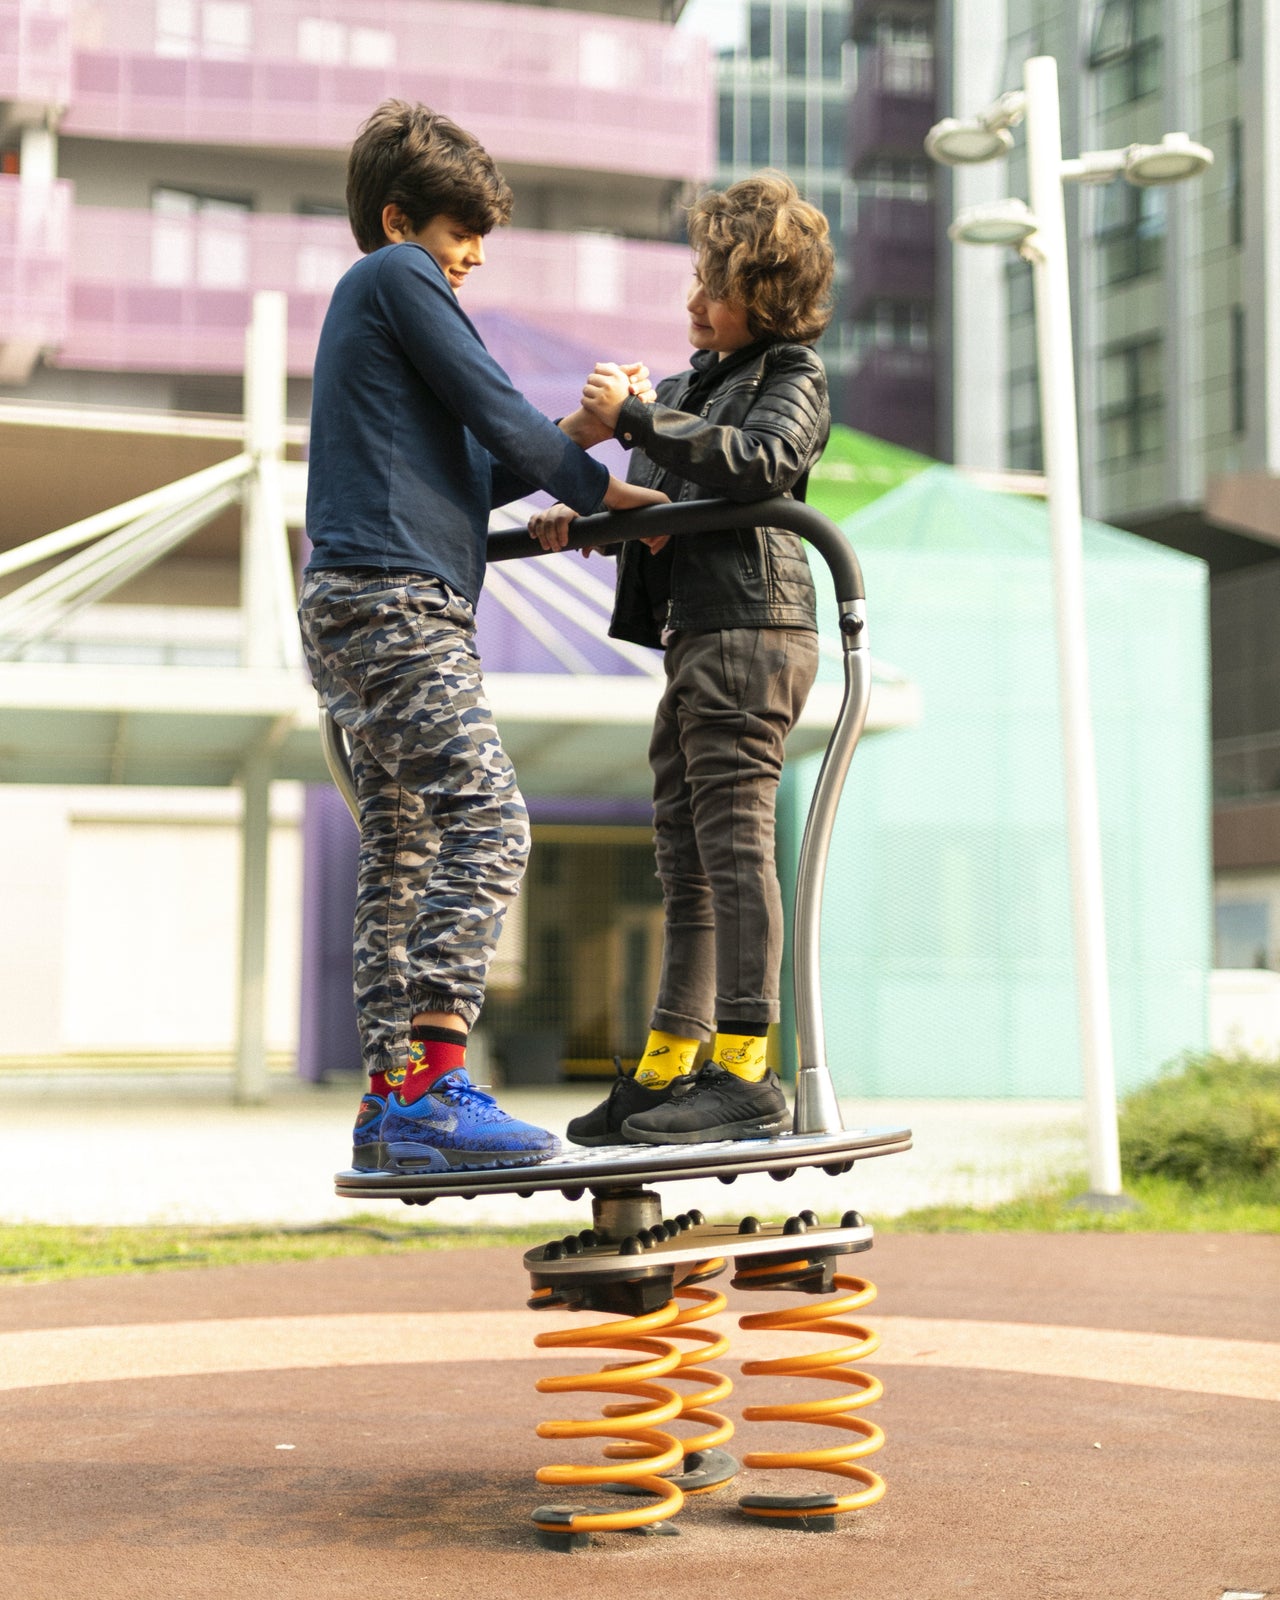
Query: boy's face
pixel 717 325
pixel 455 247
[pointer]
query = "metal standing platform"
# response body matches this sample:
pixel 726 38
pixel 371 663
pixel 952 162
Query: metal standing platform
pixel 634 1261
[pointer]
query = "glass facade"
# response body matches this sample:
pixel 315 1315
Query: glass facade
pixel 784 74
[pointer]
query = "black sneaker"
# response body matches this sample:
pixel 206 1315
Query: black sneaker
pixel 603 1124
pixel 714 1104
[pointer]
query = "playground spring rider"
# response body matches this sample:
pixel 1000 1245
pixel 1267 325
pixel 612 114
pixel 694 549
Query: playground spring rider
pixel 648 1270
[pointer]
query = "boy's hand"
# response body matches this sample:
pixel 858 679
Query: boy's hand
pixel 638 381
pixel 550 527
pixel 629 497
pixel 621 496
pixel 584 429
pixel 604 392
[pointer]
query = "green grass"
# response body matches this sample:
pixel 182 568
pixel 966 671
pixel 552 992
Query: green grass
pixel 38 1253
pixel 1158 1205
pixel 35 1253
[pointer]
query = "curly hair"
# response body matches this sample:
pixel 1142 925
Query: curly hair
pixel 760 246
pixel 412 157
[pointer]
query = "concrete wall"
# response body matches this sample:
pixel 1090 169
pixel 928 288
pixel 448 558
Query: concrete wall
pixel 120 933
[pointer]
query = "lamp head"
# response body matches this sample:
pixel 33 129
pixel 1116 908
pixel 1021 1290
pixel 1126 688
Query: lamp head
pixel 1174 159
pixel 963 144
pixel 1010 222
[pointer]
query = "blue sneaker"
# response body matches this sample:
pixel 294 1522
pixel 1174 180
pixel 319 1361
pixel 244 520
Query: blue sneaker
pixel 455 1125
pixel 367 1148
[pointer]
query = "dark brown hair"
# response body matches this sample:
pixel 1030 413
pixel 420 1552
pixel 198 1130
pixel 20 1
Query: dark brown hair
pixel 760 246
pixel 412 157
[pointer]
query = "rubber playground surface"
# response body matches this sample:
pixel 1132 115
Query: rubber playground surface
pixel 1072 1415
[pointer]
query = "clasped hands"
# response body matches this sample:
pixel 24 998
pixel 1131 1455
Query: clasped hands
pixel 607 388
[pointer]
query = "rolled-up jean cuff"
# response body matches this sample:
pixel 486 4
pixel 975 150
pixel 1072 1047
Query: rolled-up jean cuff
pixel 468 1010
pixel 759 1013
pixel 682 1027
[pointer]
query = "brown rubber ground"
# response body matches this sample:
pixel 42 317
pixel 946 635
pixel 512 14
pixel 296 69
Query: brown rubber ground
pixel 413 1480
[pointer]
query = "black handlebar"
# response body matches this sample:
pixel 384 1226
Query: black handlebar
pixel 705 516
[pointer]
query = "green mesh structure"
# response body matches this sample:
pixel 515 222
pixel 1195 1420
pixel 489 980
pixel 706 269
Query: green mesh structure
pixel 947 959
pixel 856 469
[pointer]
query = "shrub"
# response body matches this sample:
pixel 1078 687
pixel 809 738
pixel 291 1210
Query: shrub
pixel 1207 1120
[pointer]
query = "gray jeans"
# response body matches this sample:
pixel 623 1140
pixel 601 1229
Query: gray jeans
pixel 732 697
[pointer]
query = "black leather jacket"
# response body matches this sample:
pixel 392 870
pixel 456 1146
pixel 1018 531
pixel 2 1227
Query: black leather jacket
pixel 758 434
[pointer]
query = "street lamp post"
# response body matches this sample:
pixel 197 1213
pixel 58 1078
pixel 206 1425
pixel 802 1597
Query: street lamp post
pixel 1040 236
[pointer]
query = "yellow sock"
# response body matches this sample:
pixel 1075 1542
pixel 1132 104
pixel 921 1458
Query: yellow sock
pixel 743 1054
pixel 666 1056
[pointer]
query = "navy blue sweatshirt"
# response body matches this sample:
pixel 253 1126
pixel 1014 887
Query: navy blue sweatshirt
pixel 417 432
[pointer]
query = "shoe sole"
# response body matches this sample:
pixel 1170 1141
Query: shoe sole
pixel 595 1140
pixel 407 1158
pixel 758 1128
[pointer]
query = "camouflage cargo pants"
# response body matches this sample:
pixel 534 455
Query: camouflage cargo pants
pixel 444 834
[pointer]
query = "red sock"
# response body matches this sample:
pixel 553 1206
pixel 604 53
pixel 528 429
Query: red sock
pixel 378 1084
pixel 432 1053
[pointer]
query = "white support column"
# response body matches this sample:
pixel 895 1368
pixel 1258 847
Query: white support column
pixel 264 530
pixel 37 172
pixel 979 302
pixel 264 535
pixel 1062 471
pixel 251 1085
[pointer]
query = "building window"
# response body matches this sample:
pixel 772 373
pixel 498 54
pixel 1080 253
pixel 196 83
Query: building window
pixel 726 128
pixel 796 136
pixel 1235 183
pixel 215 30
pixel 797 33
pixel 760 117
pixel 1131 416
pixel 1242 934
pixel 895 325
pixel 833 133
pixel 199 239
pixel 889 178
pixel 1020 288
pixel 907 69
pixel 1124 50
pixel 1239 413
pixel 759 33
pixel 1026 453
pixel 333 44
pixel 1130 231
pixel 835 30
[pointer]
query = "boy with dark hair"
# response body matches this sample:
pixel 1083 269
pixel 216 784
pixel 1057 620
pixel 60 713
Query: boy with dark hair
pixel 416 433
pixel 734 612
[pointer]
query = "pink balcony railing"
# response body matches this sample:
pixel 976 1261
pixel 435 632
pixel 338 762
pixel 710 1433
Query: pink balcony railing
pixel 35 50
pixel 538 86
pixel 166 294
pixel 33 262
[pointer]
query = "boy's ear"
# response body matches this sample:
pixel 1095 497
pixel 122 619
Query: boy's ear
pixel 394 223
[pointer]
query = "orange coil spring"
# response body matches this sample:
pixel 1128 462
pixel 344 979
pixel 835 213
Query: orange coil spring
pixel 643 1449
pixel 693 1407
pixel 824 1366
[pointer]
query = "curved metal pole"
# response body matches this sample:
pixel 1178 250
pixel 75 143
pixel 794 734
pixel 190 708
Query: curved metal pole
pixel 816 1107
